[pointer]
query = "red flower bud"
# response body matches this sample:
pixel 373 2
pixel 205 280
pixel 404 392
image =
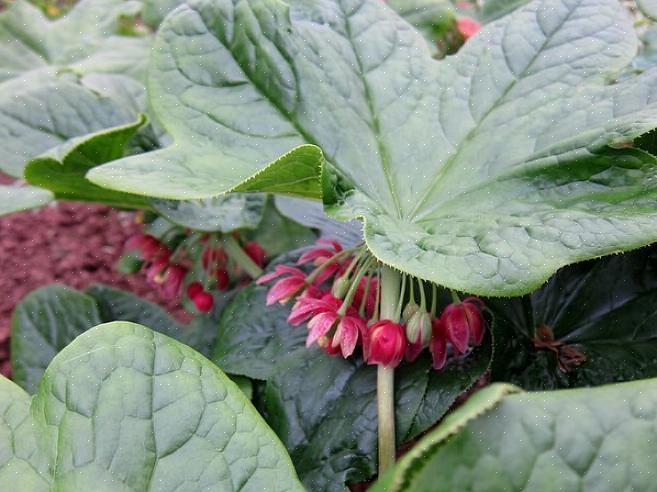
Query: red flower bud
pixel 203 301
pixel 193 289
pixel 256 253
pixel 467 27
pixel 385 343
pixel 223 279
pixel 438 344
pixel 173 281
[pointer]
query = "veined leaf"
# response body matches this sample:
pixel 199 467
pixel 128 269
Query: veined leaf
pixel 494 9
pixel 592 323
pixel 485 172
pixel 124 408
pixel 84 39
pixel 18 198
pixel 63 169
pixel 601 439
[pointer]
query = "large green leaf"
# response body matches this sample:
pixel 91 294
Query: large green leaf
pixel 63 169
pixel 457 167
pixel 123 408
pixel 648 8
pixel 38 114
pixel 15 198
pixel 601 439
pixel 604 309
pixel 494 9
pixel 154 11
pixel 50 318
pixel 84 40
pixel 322 407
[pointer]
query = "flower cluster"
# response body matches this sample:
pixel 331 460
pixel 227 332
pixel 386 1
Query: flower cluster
pixel 200 261
pixel 340 299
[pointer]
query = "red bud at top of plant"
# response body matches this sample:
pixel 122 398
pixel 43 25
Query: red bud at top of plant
pixel 467 26
pixel 203 301
pixel 256 253
pixel 385 343
pixel 223 279
pixel 193 289
pixel 173 281
pixel 438 344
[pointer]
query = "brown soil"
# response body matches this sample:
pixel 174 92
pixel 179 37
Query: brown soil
pixel 69 243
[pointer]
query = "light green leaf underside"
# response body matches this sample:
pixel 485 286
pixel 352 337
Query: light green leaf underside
pixel 648 8
pixel 18 198
pixel 485 172
pixel 123 408
pixel 62 170
pixel 601 439
pixel 494 9
pixel 224 214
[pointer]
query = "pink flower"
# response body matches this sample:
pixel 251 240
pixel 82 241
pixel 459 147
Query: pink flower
pixel 463 323
pixel 173 280
pixel 320 255
pixel 438 344
pixel 308 305
pixel 213 256
pixel 346 334
pixel 467 26
pixel 256 253
pixel 285 289
pixel 370 303
pixel 320 326
pixel 148 246
pixel 385 343
pixel 155 271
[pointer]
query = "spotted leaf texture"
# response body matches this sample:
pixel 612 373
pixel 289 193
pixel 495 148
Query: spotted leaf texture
pixel 124 408
pixel 485 172
pixel 601 439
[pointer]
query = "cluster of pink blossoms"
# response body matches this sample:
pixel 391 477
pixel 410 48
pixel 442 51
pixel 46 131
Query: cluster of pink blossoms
pixel 169 269
pixel 340 301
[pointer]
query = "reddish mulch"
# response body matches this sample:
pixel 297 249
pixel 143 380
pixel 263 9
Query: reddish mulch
pixel 70 243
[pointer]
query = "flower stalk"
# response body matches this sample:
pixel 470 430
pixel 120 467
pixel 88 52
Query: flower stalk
pixel 385 381
pixel 240 257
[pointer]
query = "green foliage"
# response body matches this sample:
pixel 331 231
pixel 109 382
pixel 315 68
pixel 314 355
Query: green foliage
pixel 124 408
pixel 604 310
pixel 600 439
pixel 457 167
pixel 15 199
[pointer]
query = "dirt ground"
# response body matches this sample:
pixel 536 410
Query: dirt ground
pixel 70 243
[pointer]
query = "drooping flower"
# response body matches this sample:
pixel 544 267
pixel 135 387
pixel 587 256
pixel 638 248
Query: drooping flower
pixel 311 303
pixel 418 333
pixel 467 26
pixel 213 256
pixel 193 289
pixel 385 343
pixel 463 323
pixel 173 280
pixel 149 247
pixel 256 253
pixel 346 334
pixel 438 344
pixel 322 254
pixel 223 278
pixel 286 288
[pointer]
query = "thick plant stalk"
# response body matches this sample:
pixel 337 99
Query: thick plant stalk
pixel 385 381
pixel 241 258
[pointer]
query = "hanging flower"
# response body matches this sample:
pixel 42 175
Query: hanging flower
pixel 287 288
pixel 464 323
pixel 256 253
pixel 173 280
pixel 385 343
pixel 438 344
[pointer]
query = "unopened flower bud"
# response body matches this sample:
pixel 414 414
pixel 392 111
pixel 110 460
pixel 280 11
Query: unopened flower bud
pixel 340 287
pixel 386 343
pixel 418 328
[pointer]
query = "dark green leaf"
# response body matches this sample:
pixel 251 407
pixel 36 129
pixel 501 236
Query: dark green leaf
pixel 43 323
pixel 604 309
pixel 601 439
pixel 124 408
pixel 457 167
pixel 63 169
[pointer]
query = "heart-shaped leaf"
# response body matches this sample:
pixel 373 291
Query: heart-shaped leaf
pixel 322 407
pixel 17 198
pixel 601 439
pixel 51 317
pixel 591 324
pixel 124 408
pixel 457 166
pixel 63 169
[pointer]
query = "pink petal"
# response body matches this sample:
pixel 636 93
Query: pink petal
pixel 319 326
pixel 313 254
pixel 283 289
pixel 281 270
